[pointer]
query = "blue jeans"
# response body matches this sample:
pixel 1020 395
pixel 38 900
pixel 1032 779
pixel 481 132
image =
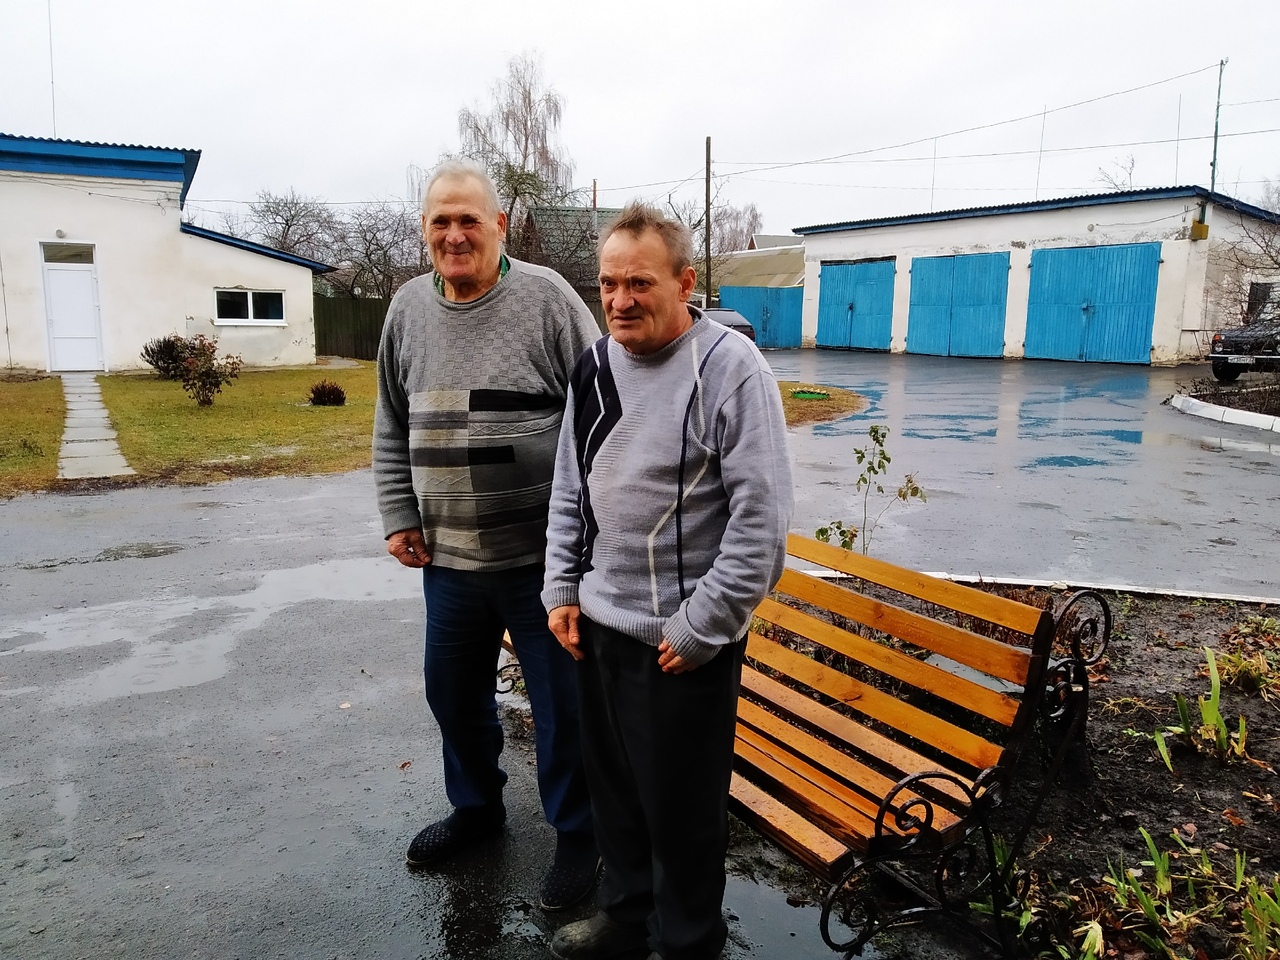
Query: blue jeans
pixel 466 614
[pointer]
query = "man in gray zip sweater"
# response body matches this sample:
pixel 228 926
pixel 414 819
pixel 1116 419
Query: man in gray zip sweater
pixel 668 525
pixel 473 371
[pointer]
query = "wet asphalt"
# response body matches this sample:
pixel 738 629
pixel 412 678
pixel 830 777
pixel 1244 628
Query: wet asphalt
pixel 213 742
pixel 1042 470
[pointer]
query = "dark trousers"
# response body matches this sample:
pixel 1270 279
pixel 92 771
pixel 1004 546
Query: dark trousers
pixel 659 755
pixel 466 614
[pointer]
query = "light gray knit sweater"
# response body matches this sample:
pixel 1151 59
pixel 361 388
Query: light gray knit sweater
pixel 470 399
pixel 672 493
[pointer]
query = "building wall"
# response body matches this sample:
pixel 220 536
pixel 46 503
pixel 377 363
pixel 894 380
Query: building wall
pixel 152 280
pixel 1181 314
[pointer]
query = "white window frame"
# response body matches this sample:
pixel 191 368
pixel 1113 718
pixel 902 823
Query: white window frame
pixel 249 321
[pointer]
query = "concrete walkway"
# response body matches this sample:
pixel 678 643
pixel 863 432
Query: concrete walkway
pixel 89 447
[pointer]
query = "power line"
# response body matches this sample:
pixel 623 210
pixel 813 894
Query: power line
pixel 954 133
pixel 1019 153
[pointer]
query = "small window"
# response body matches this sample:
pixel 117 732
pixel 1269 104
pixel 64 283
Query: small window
pixel 1260 295
pixel 249 307
pixel 67 252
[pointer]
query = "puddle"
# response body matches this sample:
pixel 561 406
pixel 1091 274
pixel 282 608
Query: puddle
pixel 183 642
pixel 769 928
pixel 1064 461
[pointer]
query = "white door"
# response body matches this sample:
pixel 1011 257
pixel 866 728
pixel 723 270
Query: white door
pixel 71 304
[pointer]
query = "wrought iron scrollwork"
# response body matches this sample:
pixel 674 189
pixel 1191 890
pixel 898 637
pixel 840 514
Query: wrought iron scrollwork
pixel 957 871
pixel 508 676
pixel 1084 624
pixel 1083 619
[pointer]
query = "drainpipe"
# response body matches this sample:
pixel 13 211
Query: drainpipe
pixel 4 304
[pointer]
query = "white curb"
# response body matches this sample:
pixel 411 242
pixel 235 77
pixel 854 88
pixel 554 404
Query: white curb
pixel 1211 411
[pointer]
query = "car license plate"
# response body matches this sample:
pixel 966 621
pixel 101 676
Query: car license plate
pixel 1239 359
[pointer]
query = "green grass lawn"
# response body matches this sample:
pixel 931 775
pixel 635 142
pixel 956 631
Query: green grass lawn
pixel 262 424
pixel 835 405
pixel 31 419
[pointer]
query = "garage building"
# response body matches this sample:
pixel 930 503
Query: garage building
pixel 1127 277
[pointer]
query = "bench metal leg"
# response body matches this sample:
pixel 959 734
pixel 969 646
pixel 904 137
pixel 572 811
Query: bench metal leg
pixel 948 880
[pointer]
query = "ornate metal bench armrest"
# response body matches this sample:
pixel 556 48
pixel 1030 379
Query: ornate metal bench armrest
pixel 1083 619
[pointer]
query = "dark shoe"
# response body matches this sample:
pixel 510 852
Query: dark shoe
pixel 600 938
pixel 572 876
pixel 444 838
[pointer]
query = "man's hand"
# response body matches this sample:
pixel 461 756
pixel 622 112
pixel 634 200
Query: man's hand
pixel 409 548
pixel 563 622
pixel 671 662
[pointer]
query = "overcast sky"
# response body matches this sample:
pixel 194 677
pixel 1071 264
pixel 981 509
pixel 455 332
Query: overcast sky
pixel 337 99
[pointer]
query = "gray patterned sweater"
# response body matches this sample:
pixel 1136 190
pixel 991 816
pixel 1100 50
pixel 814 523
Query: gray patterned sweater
pixel 470 399
pixel 673 494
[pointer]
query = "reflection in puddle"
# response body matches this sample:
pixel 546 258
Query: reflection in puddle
pixel 185 641
pixel 769 927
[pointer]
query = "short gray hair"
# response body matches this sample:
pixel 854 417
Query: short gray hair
pixel 638 218
pixel 460 168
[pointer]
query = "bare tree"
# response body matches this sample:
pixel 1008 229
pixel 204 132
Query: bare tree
pixel 1121 177
pixel 291 222
pixel 379 248
pixel 517 140
pixel 1248 268
pixel 731 229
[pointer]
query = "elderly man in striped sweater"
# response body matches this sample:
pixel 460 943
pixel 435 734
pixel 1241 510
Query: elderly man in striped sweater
pixel 473 372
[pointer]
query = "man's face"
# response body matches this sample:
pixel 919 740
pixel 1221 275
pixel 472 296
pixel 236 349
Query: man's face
pixel 463 234
pixel 643 297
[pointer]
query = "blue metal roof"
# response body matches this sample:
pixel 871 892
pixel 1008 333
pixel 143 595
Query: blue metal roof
pixel 1064 203
pixel 115 160
pixel 313 265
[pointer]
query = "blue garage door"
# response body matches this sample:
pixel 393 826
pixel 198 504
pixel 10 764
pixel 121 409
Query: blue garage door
pixel 958 305
pixel 855 305
pixel 774 312
pixel 1093 303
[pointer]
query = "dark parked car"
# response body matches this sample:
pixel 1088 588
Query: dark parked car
pixel 1252 347
pixel 733 320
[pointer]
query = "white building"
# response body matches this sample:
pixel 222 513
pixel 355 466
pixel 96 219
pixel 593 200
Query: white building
pixel 1126 277
pixel 95 261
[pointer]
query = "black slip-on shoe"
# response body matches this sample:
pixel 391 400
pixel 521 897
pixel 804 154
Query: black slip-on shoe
pixel 461 829
pixel 572 876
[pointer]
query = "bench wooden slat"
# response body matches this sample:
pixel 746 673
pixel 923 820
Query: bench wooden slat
pixel 900 760
pixel 866 699
pixel 992 657
pixel 872 785
pixel 813 801
pixel 1006 613
pixel 925 676
pixel 799 765
pixel 819 851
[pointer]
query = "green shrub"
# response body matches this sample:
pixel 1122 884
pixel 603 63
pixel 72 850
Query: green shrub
pixel 167 355
pixel 203 374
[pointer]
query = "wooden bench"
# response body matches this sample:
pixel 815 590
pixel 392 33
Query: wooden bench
pixel 877 728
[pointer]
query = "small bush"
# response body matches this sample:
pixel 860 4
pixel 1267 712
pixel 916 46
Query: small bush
pixel 203 374
pixel 326 393
pixel 167 355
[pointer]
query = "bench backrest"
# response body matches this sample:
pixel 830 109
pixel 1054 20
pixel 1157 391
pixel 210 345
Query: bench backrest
pixel 929 675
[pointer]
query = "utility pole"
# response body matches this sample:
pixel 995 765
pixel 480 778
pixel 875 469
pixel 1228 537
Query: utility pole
pixel 706 220
pixel 53 89
pixel 1217 110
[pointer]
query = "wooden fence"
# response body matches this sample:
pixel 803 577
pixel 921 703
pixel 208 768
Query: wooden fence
pixel 349 328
